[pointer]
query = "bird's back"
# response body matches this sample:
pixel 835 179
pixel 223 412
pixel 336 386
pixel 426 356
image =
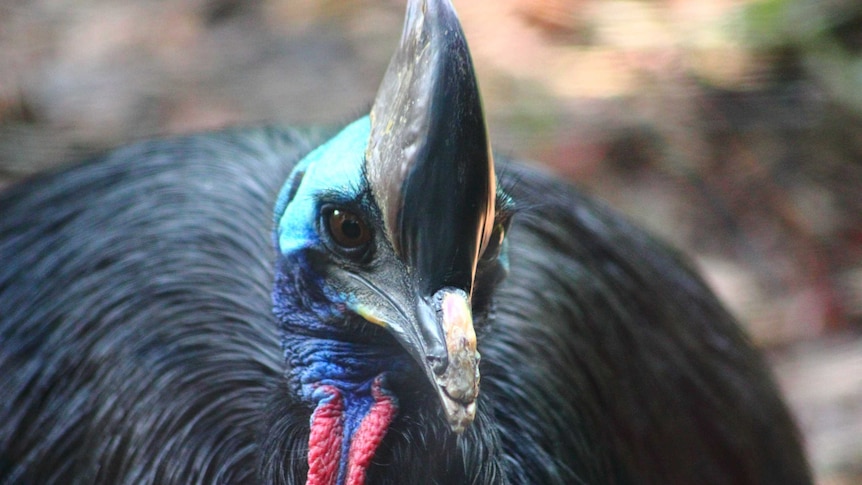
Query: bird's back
pixel 609 350
pixel 137 343
pixel 136 338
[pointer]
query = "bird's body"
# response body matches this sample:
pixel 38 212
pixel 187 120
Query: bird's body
pixel 139 346
pixel 159 326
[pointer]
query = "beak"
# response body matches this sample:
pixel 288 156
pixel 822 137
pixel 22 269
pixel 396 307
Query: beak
pixel 456 377
pixel 439 335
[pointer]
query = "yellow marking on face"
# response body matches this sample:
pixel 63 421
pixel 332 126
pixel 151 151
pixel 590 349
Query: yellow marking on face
pixel 369 316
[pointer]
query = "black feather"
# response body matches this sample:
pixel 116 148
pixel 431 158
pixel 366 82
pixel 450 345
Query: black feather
pixel 137 343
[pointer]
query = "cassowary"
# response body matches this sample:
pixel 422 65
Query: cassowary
pixel 159 326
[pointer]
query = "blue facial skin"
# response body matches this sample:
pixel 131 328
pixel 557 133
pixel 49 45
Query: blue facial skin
pixel 310 312
pixel 314 317
pixel 334 167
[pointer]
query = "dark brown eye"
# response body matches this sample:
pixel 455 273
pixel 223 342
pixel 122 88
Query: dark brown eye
pixel 347 229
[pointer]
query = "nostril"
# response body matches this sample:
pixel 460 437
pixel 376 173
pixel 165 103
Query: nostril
pixel 438 363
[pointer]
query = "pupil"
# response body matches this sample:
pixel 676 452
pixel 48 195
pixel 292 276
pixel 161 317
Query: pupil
pixel 351 229
pixel 347 230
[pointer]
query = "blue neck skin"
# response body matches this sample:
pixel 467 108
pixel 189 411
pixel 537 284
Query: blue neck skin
pixel 318 352
pixel 316 338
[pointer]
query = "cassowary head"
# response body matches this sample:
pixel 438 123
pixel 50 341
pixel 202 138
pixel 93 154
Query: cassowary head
pixel 390 238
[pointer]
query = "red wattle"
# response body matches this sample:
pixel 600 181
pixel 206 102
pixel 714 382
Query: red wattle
pixel 324 442
pixel 327 437
pixel 369 435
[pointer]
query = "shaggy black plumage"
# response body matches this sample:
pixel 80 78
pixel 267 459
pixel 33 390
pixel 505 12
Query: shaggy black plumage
pixel 137 343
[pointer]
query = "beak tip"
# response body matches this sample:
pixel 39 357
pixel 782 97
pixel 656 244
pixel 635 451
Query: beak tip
pixel 459 389
pixel 459 415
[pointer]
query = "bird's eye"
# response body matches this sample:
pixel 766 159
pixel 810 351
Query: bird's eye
pixel 347 229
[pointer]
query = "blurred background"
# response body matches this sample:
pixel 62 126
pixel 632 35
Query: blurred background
pixel 730 128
